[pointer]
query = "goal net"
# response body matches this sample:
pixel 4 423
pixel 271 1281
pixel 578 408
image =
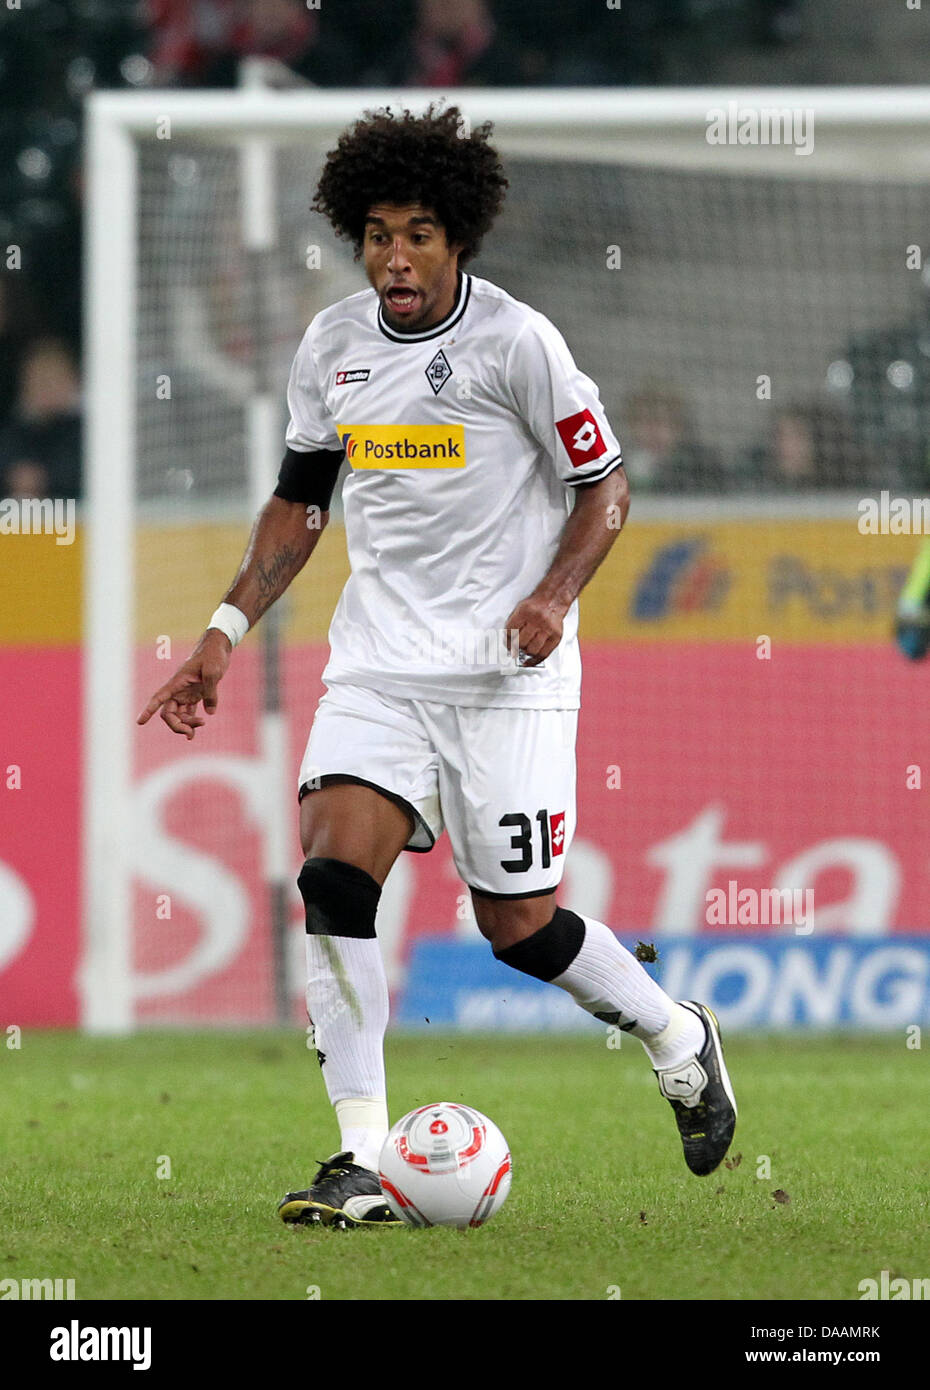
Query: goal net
pixel 741 273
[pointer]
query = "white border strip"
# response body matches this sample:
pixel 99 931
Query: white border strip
pixel 104 978
pixel 275 112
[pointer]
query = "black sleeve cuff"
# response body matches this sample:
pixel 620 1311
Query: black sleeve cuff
pixel 608 467
pixel 309 478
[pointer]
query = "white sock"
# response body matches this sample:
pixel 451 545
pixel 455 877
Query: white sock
pixel 363 1128
pixel 606 978
pixel 347 1000
pixel 679 1042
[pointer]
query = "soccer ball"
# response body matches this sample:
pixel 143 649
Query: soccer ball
pixel 445 1165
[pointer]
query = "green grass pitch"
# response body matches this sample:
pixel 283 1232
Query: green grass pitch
pixel 601 1199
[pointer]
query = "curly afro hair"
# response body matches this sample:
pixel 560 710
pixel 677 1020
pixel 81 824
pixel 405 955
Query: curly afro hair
pixel 403 159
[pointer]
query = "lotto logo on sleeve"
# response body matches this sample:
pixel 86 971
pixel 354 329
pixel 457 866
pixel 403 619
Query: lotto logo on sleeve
pixel 581 437
pixel 557 832
pixel 404 446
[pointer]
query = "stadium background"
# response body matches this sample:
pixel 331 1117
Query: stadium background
pixel 701 758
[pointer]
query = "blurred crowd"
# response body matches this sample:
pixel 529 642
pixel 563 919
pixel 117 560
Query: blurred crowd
pixel 439 43
pixel 53 52
pixel 868 428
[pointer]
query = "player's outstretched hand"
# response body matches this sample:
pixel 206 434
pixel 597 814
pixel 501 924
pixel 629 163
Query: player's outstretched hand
pixel 192 683
pixel 538 623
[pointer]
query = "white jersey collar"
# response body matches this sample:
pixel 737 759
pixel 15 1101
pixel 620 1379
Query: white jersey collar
pixel 435 329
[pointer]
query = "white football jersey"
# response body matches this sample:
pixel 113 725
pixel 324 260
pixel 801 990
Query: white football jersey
pixel 465 441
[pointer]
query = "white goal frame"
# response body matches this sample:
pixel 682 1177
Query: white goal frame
pixel 875 131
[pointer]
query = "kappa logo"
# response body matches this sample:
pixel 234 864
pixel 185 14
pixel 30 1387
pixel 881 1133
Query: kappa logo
pixel 581 437
pixel 345 378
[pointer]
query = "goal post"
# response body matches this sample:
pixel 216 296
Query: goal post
pixel 109 452
pixel 183 188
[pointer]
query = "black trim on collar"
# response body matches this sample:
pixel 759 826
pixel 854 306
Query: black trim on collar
pixel 436 329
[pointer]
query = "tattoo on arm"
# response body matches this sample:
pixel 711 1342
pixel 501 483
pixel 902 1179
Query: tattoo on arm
pixel 274 576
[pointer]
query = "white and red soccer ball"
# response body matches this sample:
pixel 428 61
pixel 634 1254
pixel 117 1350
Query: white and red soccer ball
pixel 445 1165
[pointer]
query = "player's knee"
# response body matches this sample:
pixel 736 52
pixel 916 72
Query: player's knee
pixel 491 915
pixel 548 951
pixel 339 899
pixel 505 920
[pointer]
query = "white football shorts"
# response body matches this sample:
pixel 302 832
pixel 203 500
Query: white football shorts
pixel 500 780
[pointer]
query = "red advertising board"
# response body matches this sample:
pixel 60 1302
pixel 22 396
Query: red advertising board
pixel 40 840
pixel 699 766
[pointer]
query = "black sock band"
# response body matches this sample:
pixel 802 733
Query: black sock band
pixel 340 899
pixel 549 951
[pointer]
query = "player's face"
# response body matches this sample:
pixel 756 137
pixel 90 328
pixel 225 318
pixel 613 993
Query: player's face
pixel 410 264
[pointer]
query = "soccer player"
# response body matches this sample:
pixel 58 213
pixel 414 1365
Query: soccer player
pixel 486 488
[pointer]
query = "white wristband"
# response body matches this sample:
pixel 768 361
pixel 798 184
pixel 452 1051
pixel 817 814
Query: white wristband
pixel 231 621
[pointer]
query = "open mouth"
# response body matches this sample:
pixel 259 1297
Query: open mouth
pixel 401 298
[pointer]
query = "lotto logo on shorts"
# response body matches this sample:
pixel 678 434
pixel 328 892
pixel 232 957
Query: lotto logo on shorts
pixel 557 832
pixel 581 437
pixel 404 446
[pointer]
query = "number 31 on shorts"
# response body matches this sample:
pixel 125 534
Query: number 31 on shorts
pixel 548 833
